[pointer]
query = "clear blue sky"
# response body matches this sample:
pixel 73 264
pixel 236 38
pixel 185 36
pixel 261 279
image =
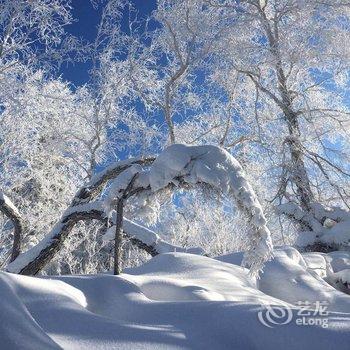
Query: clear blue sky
pixel 87 19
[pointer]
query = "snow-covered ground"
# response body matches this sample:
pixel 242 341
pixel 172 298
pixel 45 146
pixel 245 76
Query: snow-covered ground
pixel 181 301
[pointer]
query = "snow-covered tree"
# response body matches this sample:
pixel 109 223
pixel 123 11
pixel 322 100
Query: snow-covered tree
pixel 31 33
pixel 43 155
pixel 177 165
pixel 285 67
pixel 265 80
pixel 167 59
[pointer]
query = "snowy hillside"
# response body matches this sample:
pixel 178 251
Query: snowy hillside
pixel 178 301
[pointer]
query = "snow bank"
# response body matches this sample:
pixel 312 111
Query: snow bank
pixel 339 260
pixel 175 301
pixel 292 277
pixel 18 328
pixel 343 276
pixel 179 277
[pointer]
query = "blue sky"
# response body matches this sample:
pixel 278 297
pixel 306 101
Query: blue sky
pixel 87 19
pixel 85 26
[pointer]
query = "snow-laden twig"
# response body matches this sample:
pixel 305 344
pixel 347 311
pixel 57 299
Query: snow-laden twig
pixel 97 183
pixel 328 228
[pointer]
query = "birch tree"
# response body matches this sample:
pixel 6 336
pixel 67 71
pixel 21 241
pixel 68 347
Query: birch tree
pixel 286 68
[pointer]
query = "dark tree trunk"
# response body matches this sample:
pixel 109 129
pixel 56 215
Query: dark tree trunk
pixel 118 236
pixel 18 229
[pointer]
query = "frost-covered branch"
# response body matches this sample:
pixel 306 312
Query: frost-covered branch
pixel 35 259
pixel 11 212
pixel 178 165
pixel 327 229
pixel 96 184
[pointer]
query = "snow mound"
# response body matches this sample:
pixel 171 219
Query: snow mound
pixel 293 277
pixel 180 276
pixel 175 301
pixel 339 260
pixel 338 270
pixel 18 328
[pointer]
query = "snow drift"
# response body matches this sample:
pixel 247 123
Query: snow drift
pixel 175 301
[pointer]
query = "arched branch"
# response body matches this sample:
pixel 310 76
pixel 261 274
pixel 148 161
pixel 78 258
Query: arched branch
pixel 35 259
pixel 90 191
pixel 176 166
pixel 183 166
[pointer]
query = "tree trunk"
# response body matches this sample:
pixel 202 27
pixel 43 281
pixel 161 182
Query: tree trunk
pixel 118 236
pixel 11 212
pixel 298 171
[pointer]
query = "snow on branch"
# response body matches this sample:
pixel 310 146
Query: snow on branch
pixel 33 260
pixel 216 167
pixel 11 212
pixel 327 227
pixel 97 183
pixel 306 219
pixel 148 239
pixel 176 165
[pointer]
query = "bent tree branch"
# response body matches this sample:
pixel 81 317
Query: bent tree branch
pixel 11 212
pixel 34 260
pixel 226 175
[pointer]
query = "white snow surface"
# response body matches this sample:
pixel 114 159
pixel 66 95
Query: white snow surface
pixel 175 301
pixel 291 277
